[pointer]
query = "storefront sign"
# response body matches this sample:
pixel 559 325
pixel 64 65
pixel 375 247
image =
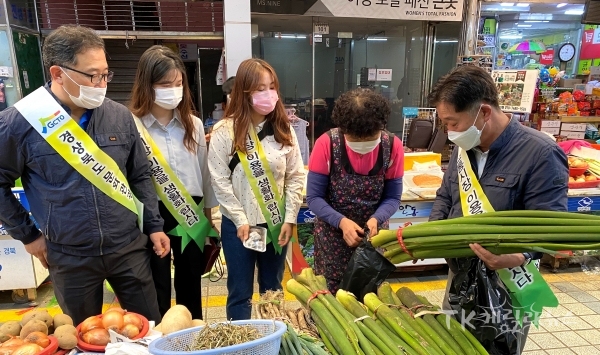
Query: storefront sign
pixel 6 72
pixel 221 71
pixel 344 34
pixel 384 74
pixel 489 26
pixel 298 7
pixel 372 75
pixel 321 29
pixel 516 89
pixel 547 57
pixel 420 10
pixel 188 51
pixel 590 44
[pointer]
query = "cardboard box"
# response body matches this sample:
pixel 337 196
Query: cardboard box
pixel 573 135
pixel 551 130
pixel 19 270
pixel 550 124
pixel 569 83
pixel 574 127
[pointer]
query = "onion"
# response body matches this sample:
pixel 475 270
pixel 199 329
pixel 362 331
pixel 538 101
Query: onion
pixel 7 350
pixel 28 349
pixel 131 318
pixel 13 342
pixel 38 338
pixel 112 320
pixel 130 331
pixel 116 309
pixel 97 336
pixel 91 323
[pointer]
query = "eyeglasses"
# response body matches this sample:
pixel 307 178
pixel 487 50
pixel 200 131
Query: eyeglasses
pixel 95 78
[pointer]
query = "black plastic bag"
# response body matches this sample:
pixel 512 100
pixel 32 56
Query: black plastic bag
pixel 480 301
pixel 366 270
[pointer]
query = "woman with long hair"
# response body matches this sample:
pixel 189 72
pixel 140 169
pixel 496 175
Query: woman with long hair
pixel 258 177
pixel 174 139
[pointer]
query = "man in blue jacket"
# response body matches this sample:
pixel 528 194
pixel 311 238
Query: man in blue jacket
pixel 88 233
pixel 517 168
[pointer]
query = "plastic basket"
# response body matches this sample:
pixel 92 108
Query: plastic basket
pixel 269 344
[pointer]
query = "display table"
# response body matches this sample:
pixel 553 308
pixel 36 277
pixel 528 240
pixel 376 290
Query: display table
pixel 19 271
pixel 414 212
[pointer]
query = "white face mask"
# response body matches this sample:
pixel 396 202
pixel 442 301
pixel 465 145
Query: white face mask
pixel 468 139
pixel 363 147
pixel 89 97
pixel 168 98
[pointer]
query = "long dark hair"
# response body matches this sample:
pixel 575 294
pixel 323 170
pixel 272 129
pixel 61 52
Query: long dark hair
pixel 247 80
pixel 154 65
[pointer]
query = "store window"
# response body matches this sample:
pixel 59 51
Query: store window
pixel 8 89
pixel 386 55
pixel 530 35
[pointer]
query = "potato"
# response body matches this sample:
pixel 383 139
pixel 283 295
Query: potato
pixel 40 314
pixel 65 329
pixel 62 319
pixel 34 326
pixel 66 340
pixel 177 318
pixel 11 328
pixel 198 323
pixel 4 337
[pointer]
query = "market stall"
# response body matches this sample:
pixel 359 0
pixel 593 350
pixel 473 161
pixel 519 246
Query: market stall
pixel 19 271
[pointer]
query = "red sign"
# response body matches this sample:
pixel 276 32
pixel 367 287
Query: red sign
pixel 547 57
pixel 590 46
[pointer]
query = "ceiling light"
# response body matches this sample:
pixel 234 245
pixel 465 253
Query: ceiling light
pixel 522 4
pixel 524 25
pixel 538 21
pixel 561 5
pixel 511 37
pixel 377 39
pixel 574 12
pixel 507 4
pixel 455 41
pixel 293 36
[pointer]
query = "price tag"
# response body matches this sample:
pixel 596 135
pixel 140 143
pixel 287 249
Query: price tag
pixel 321 29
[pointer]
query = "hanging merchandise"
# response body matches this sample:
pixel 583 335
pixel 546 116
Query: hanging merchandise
pixel 221 72
pixel 299 125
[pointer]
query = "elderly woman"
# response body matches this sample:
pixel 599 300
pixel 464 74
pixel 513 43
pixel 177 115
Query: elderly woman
pixel 354 180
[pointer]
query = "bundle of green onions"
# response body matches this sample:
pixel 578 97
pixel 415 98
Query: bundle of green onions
pixel 501 232
pixel 386 324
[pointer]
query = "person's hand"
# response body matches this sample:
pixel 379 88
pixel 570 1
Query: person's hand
pixel 350 229
pixel 37 248
pixel 162 244
pixel 495 262
pixel 372 225
pixel 243 232
pixel 286 234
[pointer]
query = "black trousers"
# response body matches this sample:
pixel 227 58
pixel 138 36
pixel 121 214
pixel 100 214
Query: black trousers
pixel 189 267
pixel 79 281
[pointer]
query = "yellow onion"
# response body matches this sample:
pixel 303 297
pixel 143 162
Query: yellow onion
pixel 28 349
pixel 13 342
pixel 91 323
pixel 4 350
pixel 38 338
pixel 116 309
pixel 112 320
pixel 131 318
pixel 130 331
pixel 97 336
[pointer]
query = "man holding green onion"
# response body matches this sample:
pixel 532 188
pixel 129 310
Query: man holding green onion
pixel 497 165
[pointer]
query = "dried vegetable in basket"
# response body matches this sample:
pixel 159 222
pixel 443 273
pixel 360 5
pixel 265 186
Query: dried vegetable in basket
pixel 223 334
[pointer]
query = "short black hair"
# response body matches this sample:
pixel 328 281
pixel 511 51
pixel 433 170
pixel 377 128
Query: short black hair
pixel 63 44
pixel 465 88
pixel 361 113
pixel 228 85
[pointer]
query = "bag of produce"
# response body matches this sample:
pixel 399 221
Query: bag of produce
pixel 366 270
pixel 481 303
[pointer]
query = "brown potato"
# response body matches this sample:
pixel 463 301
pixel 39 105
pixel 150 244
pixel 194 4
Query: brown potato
pixel 66 341
pixel 62 319
pixel 39 314
pixel 34 326
pixel 11 328
pixel 65 329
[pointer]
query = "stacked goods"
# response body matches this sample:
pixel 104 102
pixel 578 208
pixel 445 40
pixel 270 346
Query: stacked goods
pixel 583 173
pixel 94 330
pixel 221 335
pixel 383 325
pixel 293 343
pixel 36 331
pixel 500 232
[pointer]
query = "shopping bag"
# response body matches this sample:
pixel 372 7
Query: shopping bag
pixel 481 303
pixel 212 257
pixel 366 270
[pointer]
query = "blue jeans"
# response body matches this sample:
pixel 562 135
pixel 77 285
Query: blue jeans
pixel 240 271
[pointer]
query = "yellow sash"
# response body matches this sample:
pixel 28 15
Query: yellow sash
pixel 74 145
pixel 472 198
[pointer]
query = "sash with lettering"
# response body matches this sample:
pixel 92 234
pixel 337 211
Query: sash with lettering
pixel 74 145
pixel 193 224
pixel 259 175
pixel 529 292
